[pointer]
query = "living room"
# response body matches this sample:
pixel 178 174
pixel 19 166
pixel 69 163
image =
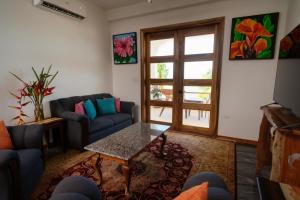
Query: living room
pixel 211 126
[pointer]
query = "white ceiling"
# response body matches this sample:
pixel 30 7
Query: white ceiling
pixel 110 4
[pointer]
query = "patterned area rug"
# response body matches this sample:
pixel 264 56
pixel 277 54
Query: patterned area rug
pixel 153 177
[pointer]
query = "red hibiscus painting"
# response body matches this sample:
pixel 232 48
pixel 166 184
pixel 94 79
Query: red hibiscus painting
pixel 253 37
pixel 125 48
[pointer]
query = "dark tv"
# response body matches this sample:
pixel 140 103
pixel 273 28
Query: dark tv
pixel 287 85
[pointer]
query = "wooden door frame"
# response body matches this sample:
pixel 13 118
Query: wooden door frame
pixel 219 22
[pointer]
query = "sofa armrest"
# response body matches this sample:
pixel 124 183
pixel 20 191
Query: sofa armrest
pixel 27 136
pixel 77 129
pixel 9 174
pixel 128 107
pixel 7 157
pixel 74 116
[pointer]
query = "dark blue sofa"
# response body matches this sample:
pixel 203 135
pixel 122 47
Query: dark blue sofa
pixel 22 167
pixel 81 188
pixel 80 130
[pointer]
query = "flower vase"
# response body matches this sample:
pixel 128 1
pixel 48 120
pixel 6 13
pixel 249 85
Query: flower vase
pixel 38 112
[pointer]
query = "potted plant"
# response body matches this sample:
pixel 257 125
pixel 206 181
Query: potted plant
pixel 156 93
pixel 35 91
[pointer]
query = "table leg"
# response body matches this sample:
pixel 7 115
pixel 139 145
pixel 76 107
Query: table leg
pixel 164 137
pixel 98 165
pixel 127 174
pixel 46 146
pixel 62 138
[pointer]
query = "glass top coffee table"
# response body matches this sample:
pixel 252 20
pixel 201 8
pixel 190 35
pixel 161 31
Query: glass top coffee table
pixel 126 144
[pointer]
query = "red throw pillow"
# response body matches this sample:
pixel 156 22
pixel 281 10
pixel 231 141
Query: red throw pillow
pixel 118 104
pixel 5 140
pixel 199 192
pixel 79 108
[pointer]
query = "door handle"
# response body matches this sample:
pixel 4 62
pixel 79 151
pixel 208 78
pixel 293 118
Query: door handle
pixel 180 92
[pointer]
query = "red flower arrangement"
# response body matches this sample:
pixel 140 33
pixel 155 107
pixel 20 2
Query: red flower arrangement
pixel 35 91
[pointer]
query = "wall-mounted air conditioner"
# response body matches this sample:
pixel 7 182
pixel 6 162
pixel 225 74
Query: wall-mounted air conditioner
pixel 73 8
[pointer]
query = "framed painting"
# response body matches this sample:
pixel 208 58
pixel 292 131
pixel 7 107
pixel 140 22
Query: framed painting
pixel 125 48
pixel 253 37
pixel 290 45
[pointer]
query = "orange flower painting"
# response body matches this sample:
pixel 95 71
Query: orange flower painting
pixel 253 37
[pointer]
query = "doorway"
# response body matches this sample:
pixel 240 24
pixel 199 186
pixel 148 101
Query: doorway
pixel 181 67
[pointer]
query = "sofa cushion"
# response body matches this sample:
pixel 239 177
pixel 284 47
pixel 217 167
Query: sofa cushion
pixel 118 104
pixel 213 179
pixel 106 106
pixel 79 108
pixel 198 192
pixel 31 169
pixel 80 185
pixel 5 140
pixel 90 109
pixel 100 123
pixel 119 117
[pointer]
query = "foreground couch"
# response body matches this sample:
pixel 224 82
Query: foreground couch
pixel 80 130
pixel 217 189
pixel 80 188
pixel 22 167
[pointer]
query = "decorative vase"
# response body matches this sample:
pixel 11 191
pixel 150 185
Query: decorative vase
pixel 38 112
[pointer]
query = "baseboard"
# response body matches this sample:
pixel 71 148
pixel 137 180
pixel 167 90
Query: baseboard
pixel 220 137
pixel 238 140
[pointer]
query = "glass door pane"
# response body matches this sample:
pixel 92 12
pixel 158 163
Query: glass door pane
pixel 161 70
pixel 199 44
pixel 198 70
pixel 161 114
pixel 162 47
pixel 197 94
pixel 161 92
pixel 196 118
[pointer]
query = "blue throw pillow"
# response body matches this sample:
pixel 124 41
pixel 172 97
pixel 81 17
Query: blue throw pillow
pixel 106 106
pixel 90 109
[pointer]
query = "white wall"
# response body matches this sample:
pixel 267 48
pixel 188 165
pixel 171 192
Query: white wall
pixel 293 16
pixel 245 85
pixel 30 36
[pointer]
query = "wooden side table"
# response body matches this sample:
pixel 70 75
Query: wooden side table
pixel 278 145
pixel 49 124
pixel 276 191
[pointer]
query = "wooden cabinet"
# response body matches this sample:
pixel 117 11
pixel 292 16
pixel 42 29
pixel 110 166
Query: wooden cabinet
pixel 279 145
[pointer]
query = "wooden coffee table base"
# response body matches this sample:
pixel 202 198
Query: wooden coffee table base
pixel 125 165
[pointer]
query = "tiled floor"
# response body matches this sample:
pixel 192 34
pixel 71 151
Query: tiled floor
pixel 246 182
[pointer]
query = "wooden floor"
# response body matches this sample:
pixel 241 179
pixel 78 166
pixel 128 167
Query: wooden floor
pixel 246 182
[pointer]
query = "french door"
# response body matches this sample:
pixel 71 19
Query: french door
pixel 181 75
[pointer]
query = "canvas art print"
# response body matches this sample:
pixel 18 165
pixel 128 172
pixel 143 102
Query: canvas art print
pixel 253 37
pixel 290 44
pixel 125 48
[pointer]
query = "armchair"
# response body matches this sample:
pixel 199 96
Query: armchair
pixel 22 167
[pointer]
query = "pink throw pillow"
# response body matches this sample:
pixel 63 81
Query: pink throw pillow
pixel 79 108
pixel 118 104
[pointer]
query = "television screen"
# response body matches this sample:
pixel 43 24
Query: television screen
pixel 287 85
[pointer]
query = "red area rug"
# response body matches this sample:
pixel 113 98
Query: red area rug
pixel 152 177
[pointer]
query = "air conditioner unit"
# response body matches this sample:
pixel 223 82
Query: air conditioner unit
pixel 73 8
